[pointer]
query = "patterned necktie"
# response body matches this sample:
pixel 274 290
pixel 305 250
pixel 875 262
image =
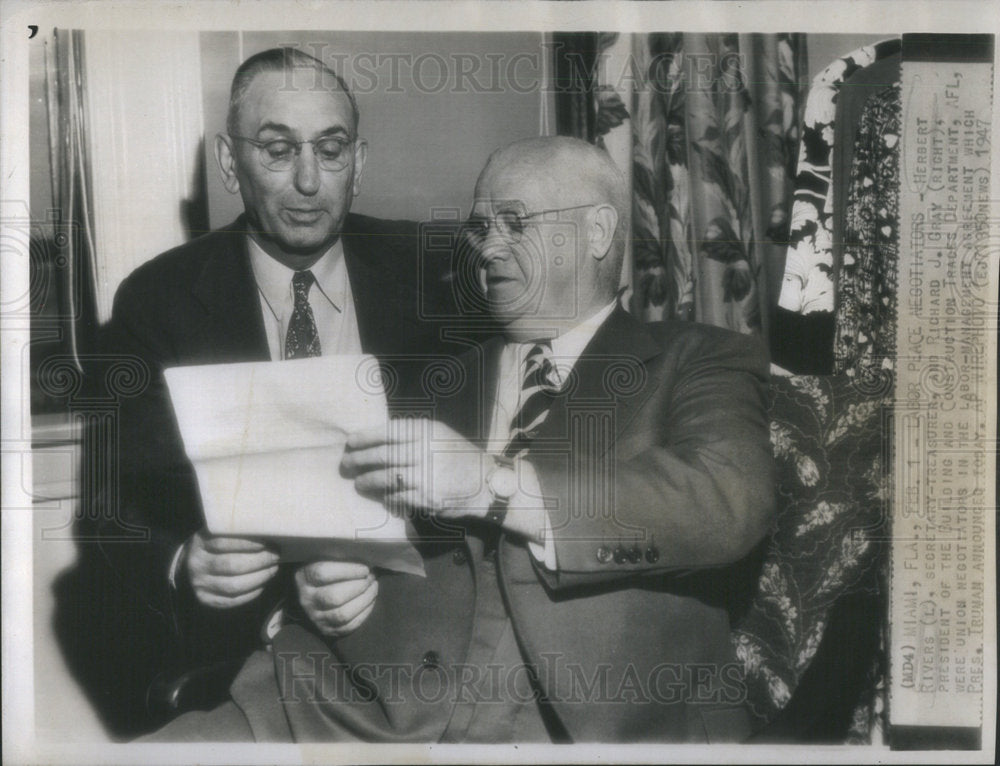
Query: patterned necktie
pixel 302 339
pixel 537 391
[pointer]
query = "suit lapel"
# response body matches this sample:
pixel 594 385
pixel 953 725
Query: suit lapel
pixel 365 289
pixel 470 410
pixel 383 301
pixel 610 376
pixel 227 291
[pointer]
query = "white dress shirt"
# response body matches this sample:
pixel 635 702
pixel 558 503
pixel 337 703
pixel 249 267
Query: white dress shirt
pixel 566 349
pixel 330 298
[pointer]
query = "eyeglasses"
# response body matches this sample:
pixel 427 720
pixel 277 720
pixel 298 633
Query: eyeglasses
pixel 509 224
pixel 280 154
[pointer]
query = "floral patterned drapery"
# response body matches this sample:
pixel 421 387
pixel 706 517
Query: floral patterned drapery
pixel 714 122
pixel 708 128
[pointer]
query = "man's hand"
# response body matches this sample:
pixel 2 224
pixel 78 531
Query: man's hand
pixel 419 466
pixel 226 572
pixel 336 595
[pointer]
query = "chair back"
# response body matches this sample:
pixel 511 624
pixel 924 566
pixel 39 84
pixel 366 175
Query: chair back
pixel 831 437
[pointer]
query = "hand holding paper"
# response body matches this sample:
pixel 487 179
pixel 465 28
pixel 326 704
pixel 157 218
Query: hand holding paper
pixel 336 595
pixel 226 572
pixel 419 466
pixel 266 440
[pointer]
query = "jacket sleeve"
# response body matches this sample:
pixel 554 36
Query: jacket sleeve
pixel 149 504
pixel 689 484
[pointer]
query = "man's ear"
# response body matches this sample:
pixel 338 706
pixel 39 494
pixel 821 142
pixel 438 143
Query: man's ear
pixel 603 221
pixel 226 158
pixel 360 157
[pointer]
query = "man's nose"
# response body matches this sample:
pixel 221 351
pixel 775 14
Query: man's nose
pixel 306 171
pixel 494 247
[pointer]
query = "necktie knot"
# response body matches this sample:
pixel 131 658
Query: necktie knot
pixel 301 282
pixel 538 355
pixel 540 370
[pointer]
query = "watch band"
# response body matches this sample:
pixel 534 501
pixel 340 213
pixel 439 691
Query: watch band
pixel 497 511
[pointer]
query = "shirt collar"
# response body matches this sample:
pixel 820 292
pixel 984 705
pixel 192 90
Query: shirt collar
pixel 275 279
pixel 566 348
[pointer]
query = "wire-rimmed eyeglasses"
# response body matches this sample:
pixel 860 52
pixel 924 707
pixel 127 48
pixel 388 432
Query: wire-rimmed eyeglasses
pixel 280 153
pixel 509 224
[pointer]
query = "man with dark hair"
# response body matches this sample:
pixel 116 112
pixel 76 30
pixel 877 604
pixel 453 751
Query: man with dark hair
pixel 586 495
pixel 284 61
pixel 296 275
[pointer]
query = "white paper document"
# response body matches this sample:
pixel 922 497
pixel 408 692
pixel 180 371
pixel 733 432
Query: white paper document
pixel 266 440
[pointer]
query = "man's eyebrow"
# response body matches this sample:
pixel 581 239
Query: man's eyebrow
pixel 334 131
pixel 277 127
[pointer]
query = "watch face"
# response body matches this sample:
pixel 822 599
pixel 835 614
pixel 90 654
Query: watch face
pixel 503 482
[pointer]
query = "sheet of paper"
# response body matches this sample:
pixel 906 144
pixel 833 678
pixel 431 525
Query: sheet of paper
pixel 266 439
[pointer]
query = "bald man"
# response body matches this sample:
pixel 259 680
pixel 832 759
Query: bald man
pixel 586 494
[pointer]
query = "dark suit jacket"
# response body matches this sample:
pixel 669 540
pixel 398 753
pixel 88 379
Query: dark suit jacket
pixel 657 473
pixel 198 304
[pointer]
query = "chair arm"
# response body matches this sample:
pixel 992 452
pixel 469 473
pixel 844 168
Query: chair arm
pixel 200 688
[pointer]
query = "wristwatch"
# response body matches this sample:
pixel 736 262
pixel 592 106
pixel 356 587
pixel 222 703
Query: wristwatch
pixel 501 481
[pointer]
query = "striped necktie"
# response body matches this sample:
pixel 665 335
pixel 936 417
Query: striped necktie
pixel 302 338
pixel 537 392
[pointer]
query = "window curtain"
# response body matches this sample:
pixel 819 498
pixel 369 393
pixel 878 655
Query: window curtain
pixel 711 123
pixel 126 148
pixel 144 102
pixel 70 165
pixel 708 129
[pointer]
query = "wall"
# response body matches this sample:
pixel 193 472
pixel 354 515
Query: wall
pixel 401 182
pixel 429 127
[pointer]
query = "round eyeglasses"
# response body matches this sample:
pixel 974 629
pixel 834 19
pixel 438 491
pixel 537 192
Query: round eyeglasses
pixel 280 153
pixel 509 224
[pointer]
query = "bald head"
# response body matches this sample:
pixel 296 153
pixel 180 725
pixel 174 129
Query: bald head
pixel 570 204
pixel 563 160
pixel 565 172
